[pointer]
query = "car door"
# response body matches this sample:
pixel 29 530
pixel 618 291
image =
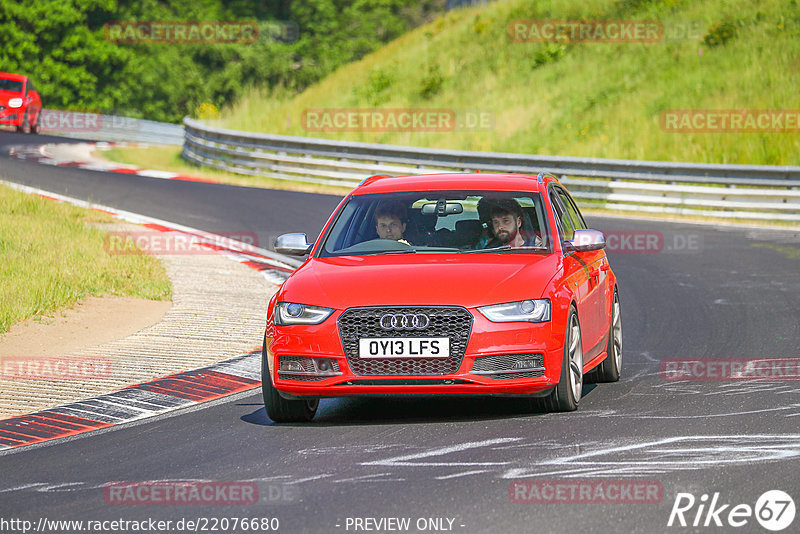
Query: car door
pixel 587 275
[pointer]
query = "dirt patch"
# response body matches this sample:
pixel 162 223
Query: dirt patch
pixel 92 322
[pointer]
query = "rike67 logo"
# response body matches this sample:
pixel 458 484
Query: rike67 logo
pixel 774 510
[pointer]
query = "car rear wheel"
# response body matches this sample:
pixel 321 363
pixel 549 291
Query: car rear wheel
pixel 567 394
pixel 279 409
pixel 609 369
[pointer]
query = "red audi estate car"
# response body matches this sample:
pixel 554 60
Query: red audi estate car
pixel 448 284
pixel 20 103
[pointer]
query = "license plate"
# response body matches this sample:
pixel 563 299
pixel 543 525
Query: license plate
pixel 404 347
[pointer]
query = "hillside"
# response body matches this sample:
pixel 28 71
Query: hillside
pixel 595 99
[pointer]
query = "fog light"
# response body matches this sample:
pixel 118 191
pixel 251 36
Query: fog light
pixel 291 366
pixel 307 366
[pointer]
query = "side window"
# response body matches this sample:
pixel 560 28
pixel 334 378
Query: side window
pixel 565 226
pixel 30 87
pixel 572 209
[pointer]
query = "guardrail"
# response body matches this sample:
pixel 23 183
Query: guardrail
pixel 726 191
pixel 100 127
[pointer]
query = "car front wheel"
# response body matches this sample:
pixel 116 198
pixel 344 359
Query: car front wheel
pixel 279 409
pixel 566 395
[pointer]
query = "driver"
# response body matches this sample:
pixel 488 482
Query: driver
pixel 390 221
pixel 506 223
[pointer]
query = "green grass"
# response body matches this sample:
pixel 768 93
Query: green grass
pixel 576 99
pixel 790 252
pixel 52 257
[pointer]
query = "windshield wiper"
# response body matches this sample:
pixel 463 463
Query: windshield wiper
pixel 493 249
pixel 504 248
pixel 404 251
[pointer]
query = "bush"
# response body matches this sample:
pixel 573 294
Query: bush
pixel 432 82
pixel 719 34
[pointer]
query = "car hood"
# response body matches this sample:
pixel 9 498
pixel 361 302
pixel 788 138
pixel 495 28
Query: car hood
pixel 5 96
pixel 467 280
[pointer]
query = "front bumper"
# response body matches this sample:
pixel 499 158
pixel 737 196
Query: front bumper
pixel 11 119
pixel 536 344
pixel 11 116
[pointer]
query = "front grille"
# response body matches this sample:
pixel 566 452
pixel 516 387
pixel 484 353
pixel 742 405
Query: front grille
pixel 301 378
pixel 452 322
pixel 405 382
pixel 530 374
pixel 502 366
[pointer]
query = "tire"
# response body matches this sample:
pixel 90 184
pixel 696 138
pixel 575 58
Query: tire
pixel 609 369
pixel 25 124
pixel 567 394
pixel 35 128
pixel 279 409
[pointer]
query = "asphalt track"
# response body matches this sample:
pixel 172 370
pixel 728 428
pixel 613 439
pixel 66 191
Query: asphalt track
pixel 709 292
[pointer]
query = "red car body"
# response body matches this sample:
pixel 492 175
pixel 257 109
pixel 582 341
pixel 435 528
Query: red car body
pixel 575 281
pixel 20 102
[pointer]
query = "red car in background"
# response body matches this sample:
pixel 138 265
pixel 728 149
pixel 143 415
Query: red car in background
pixel 449 284
pixel 20 103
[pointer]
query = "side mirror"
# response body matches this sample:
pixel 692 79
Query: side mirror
pixel 295 244
pixel 586 240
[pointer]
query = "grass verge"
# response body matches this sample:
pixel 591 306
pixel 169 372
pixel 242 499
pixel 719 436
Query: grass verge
pixel 52 257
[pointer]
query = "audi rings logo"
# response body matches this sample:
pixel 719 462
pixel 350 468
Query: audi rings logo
pixel 405 321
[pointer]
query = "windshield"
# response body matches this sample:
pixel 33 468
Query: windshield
pixel 14 86
pixel 439 221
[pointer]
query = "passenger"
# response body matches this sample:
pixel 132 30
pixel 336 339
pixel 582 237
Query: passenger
pixel 390 222
pixel 484 215
pixel 507 225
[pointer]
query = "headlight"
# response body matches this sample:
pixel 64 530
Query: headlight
pixel 287 313
pixel 15 102
pixel 532 311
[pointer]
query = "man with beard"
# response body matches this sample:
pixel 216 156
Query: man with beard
pixel 506 224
